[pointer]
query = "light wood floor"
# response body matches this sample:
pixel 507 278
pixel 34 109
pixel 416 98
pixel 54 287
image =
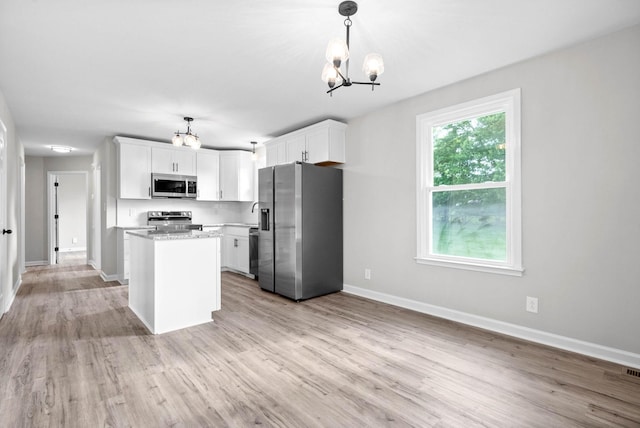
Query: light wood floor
pixel 73 355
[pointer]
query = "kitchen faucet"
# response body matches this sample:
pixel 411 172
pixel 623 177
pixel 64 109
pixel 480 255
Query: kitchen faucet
pixel 254 205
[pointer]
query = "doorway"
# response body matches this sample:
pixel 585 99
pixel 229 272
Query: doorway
pixel 67 216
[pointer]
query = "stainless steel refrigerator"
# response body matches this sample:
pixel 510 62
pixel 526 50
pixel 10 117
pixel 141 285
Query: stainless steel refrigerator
pixel 300 237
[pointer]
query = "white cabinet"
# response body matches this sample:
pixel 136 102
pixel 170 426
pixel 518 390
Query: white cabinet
pixel 276 153
pixel 208 172
pixel 170 160
pixel 236 176
pixel 320 144
pixel 235 251
pixel 134 168
pixel 296 148
pixel 123 254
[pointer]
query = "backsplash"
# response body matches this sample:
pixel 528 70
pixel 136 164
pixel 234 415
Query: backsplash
pixel 132 212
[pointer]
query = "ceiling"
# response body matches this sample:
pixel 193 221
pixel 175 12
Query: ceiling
pixel 76 71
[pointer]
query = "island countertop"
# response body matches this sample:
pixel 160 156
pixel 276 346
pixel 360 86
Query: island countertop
pixel 187 234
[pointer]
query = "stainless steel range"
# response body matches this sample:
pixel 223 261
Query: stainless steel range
pixel 172 221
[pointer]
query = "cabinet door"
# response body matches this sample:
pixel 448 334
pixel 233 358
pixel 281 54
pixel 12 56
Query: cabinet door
pixel 242 254
pixel 246 167
pixel 236 176
pixel 318 146
pixel 276 153
pixel 228 251
pixel 134 171
pixel 228 176
pixel 296 147
pixel 208 168
pixel 162 160
pixel 185 161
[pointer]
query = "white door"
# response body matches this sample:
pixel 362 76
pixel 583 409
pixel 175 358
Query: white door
pixel 4 240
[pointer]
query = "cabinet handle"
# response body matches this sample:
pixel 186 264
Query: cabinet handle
pixel 149 190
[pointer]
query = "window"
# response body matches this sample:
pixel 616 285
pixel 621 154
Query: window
pixel 469 185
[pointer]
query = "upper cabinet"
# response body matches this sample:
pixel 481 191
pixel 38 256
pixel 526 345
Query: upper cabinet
pixel 221 175
pixel 173 160
pixel 236 176
pixel 320 144
pixel 134 168
pixel 208 168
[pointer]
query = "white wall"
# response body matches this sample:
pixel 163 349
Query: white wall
pixel 35 211
pixel 581 227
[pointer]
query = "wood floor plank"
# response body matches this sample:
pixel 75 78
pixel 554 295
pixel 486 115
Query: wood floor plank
pixel 72 354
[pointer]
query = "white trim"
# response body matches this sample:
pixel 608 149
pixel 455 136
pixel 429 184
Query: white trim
pixel 509 102
pixel 614 355
pixel 37 263
pixel 108 278
pixel 51 178
pixel 71 249
pixel 14 292
pixel 471 265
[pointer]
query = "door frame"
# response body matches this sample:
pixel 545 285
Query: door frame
pixel 51 225
pixel 5 287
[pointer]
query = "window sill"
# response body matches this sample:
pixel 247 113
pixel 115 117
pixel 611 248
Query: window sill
pixel 500 270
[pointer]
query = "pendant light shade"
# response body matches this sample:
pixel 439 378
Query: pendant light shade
pixel 337 52
pixel 373 66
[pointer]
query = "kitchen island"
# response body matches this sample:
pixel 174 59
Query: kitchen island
pixel 174 278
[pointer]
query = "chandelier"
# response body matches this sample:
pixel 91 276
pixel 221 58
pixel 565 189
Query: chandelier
pixel 338 53
pixel 187 138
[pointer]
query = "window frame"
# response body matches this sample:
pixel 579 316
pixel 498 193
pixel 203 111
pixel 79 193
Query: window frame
pixel 509 102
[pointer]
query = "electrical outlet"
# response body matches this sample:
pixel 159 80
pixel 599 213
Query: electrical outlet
pixel 74 240
pixel 532 304
pixel 367 274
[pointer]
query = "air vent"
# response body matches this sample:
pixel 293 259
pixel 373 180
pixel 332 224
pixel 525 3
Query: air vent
pixel 633 372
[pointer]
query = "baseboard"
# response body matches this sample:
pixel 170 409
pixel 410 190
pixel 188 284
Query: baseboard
pixel 108 278
pixel 71 249
pixel 36 263
pixel 14 292
pixel 569 344
pixel 92 263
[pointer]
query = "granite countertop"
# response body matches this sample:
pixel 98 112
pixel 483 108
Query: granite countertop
pixel 231 224
pixel 163 236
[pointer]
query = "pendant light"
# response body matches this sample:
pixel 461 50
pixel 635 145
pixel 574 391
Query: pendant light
pixel 338 53
pixel 187 138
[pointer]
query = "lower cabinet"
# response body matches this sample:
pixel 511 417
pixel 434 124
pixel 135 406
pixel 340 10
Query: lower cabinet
pixel 123 255
pixel 235 248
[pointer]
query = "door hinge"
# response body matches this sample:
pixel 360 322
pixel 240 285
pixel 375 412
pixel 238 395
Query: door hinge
pixel 55 184
pixel 56 216
pixel 55 249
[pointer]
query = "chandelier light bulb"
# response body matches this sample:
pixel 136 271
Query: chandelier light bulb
pixel 373 66
pixel 189 140
pixel 329 75
pixel 177 140
pixel 196 143
pixel 337 51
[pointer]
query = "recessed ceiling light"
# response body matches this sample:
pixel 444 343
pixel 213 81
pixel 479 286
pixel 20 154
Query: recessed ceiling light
pixel 61 149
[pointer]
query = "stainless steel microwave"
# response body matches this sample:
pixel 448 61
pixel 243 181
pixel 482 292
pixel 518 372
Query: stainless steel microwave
pixel 173 186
